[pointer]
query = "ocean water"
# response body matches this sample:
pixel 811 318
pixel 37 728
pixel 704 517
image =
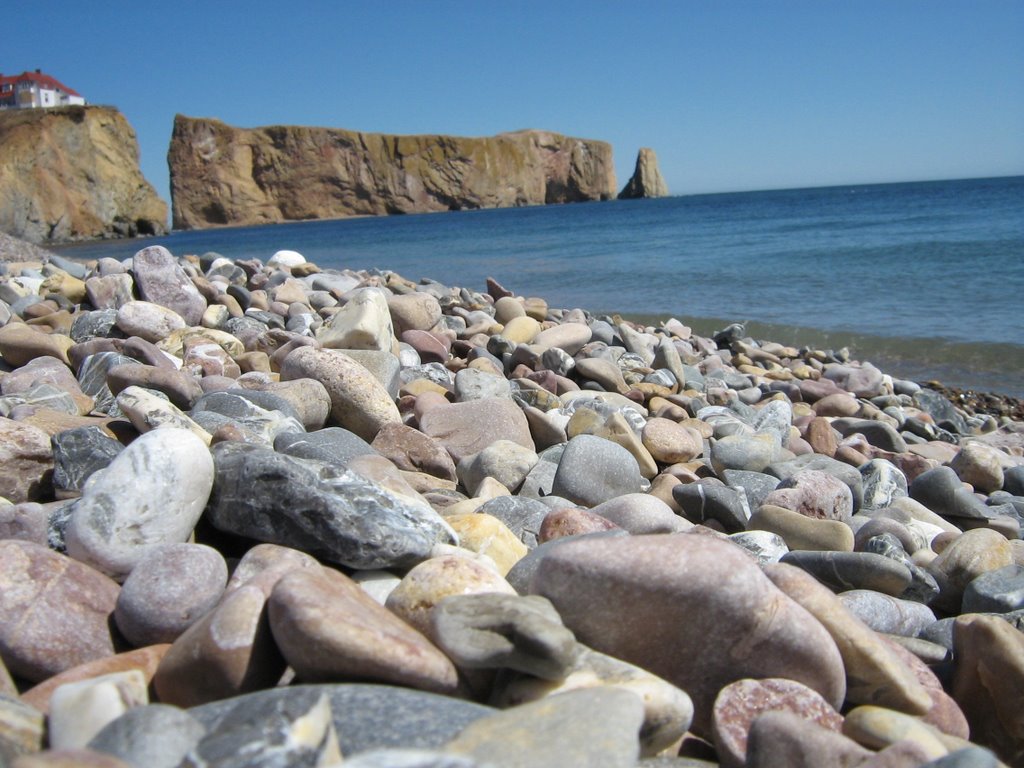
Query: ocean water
pixel 926 278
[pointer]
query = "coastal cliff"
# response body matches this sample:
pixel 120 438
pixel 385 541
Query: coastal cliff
pixel 72 173
pixel 646 180
pixel 222 175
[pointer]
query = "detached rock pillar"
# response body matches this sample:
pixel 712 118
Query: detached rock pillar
pixel 646 180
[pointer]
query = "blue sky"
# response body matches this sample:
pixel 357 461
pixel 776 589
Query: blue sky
pixel 731 95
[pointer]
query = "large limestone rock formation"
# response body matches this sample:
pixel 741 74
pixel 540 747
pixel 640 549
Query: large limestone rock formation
pixel 646 180
pixel 73 174
pixel 225 175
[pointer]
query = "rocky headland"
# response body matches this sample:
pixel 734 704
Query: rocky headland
pixel 258 513
pixel 72 173
pixel 224 175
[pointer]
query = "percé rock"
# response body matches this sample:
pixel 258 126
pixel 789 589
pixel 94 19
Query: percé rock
pixel 223 175
pixel 73 174
pixel 646 180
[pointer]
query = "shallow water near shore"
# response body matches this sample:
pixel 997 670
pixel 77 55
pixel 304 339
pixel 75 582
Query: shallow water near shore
pixel 924 278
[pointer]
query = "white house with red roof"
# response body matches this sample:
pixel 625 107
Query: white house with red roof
pixel 31 90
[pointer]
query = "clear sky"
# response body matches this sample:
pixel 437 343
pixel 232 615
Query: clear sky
pixel 731 95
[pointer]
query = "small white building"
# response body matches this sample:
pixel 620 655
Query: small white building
pixel 33 90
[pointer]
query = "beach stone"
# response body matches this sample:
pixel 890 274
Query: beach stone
pixel 863 380
pixel 980 465
pixel 967 757
pixel 888 614
pixel 507 462
pixel 569 337
pixel 426 584
pixel 27 460
pixel 883 482
pixel 522 516
pixel 887 729
pixel 474 384
pixel 801 532
pixel 874 673
pixel 359 402
pixel 418 311
pixel 464 429
pixel 741 702
pixel 328 629
pixel 21 729
pixel 160 280
pixel 46 370
pixel 363 322
pixel 849 475
pixel 309 398
pixel 755 485
pixel 640 513
pixel 504 631
pixel 151 735
pixel 987 680
pixel 942 411
pixel 80 710
pixel 181 388
pixel 153 492
pixel 940 490
pixel 27 521
pixel 706 500
pixel 109 291
pixel 412 451
pixel 326 511
pixel 596 727
pixel 169 589
pixel 332 445
pixel 572 521
pixel 750 453
pixel 966 558
pixel 763 546
pixel 39 635
pixel 779 737
pixel 668 711
pixel 998 591
pixel 77 455
pixel 877 433
pixel 853 570
pixel 603 372
pixel 282 732
pixel 266 563
pixel 815 494
pixel 21 343
pixel 945 714
pixel 620 596
pixel 671 443
pixel 384 366
pixel 366 716
pixel 148 321
pixel 821 436
pixel 148 411
pixel 618 430
pixel 228 651
pixel 488 536
pixel 593 470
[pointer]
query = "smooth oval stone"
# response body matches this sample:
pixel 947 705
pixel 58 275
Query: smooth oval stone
pixel 411 450
pixel 46 370
pixel 329 629
pixel 853 570
pixel 763 546
pixel 27 460
pixel 752 453
pixel 706 500
pixel 467 428
pixel 80 710
pixel 489 536
pixel 883 482
pixel 161 280
pixel 968 556
pixel 803 532
pixel 39 635
pixel 593 727
pixel 503 460
pixel 693 610
pixel 782 738
pixel 148 321
pixel 940 490
pixel 813 461
pixel 980 465
pixel 425 585
pixel 363 322
pixel 569 337
pixel 593 470
pixel 414 311
pixel 228 651
pixel 640 513
pixel 181 388
pixel 20 344
pixel 333 445
pixel 874 673
pixel 670 442
pixel 155 735
pixel 998 591
pixel 572 521
pixel 169 589
pixel 148 411
pixel 885 613
pixel 740 703
pixel 153 493
pixel 815 494
pixel 359 402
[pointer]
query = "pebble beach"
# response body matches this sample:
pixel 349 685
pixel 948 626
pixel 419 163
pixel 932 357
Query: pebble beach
pixel 255 512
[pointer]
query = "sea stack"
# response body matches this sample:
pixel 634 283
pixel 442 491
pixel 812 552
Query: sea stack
pixel 72 173
pixel 646 180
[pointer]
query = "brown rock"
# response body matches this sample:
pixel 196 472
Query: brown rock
pixel 21 343
pixel 467 428
pixel 739 704
pixel 691 609
pixel 822 437
pixel 27 461
pixel 46 370
pixel 489 536
pixel 268 563
pixel 646 180
pixel 572 521
pixel 969 555
pixel 330 630
pixel 412 451
pixel 815 494
pixel 145 660
pixel 54 611
pixel 670 442
pixel 782 738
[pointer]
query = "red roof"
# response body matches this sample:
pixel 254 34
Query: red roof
pixel 40 79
